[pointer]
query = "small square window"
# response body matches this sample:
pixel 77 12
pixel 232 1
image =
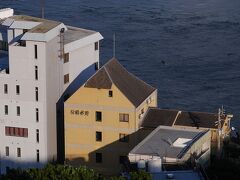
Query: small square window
pixel 110 93
pixel 123 138
pixel 98 157
pixel 66 58
pixel 38 156
pixel 96 65
pixel 37 115
pixel 5 88
pixel 98 116
pixel 18 110
pixel 66 78
pixel 123 117
pixel 18 152
pixel 7 150
pixel 96 46
pixel 6 109
pixel 98 136
pixel 35 52
pixel 17 89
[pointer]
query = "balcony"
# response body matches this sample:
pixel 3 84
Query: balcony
pixel 4 62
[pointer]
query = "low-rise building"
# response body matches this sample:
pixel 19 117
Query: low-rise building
pixel 190 120
pixel 173 145
pixel 102 118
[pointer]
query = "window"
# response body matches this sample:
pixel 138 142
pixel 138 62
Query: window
pixel 66 58
pixel 96 65
pixel 35 52
pixel 36 73
pixel 6 109
pixel 7 150
pixel 37 155
pixel 18 152
pixel 17 89
pixel 37 115
pixel 66 78
pixel 96 46
pixel 123 117
pixel 36 93
pixel 5 88
pixel 98 136
pixel 98 116
pixel 123 138
pixel 18 110
pixel 16 131
pixel 110 94
pixel 98 157
pixel 37 135
pixel 142 111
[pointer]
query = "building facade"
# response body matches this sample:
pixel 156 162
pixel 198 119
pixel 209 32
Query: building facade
pixel 102 118
pixel 39 60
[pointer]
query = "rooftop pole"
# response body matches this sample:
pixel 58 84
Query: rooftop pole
pixel 114 45
pixel 42 8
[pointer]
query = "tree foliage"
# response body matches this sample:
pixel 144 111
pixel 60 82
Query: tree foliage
pixel 53 172
pixel 61 172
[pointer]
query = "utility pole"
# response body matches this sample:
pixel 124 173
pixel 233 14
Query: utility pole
pixel 219 133
pixel 219 124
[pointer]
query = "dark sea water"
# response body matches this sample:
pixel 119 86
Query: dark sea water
pixel 188 49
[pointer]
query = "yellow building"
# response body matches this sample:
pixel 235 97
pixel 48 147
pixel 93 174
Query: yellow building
pixel 102 118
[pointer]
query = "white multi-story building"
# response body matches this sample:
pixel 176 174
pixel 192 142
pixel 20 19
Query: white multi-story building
pixel 40 60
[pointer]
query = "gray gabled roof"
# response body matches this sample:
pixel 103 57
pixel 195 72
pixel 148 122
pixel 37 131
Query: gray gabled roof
pixel 113 72
pixel 161 142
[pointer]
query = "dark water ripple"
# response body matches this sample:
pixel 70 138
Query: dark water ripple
pixel 188 49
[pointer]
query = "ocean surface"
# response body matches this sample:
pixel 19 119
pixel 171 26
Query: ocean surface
pixel 188 49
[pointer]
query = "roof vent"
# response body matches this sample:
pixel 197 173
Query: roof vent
pixel 6 12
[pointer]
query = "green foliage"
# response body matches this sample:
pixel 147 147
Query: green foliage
pixel 53 172
pixel 140 175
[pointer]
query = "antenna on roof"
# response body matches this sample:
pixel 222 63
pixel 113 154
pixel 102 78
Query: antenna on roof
pixel 114 45
pixel 42 8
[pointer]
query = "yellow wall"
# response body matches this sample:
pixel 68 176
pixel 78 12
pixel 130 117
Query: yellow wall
pixel 80 129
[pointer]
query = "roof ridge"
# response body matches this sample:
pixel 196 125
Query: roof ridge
pixel 132 74
pixel 93 75
pixel 108 74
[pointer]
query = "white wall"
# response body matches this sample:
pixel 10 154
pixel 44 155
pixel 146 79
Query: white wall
pixel 50 85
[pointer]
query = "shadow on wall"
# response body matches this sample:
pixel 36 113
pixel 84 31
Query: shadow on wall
pixel 7 164
pixel 112 158
pixel 72 88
